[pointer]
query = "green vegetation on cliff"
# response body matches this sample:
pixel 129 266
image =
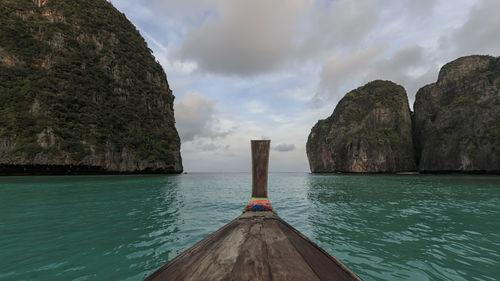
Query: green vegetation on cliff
pixel 78 84
pixel 369 131
pixel 457 121
pixel 455 125
pixel 356 104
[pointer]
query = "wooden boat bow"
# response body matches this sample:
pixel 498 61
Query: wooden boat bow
pixel 255 246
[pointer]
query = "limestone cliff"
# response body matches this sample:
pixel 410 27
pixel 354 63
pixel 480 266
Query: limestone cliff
pixel 81 92
pixel 368 132
pixel 457 119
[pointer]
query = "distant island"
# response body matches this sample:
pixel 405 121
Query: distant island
pixel 455 126
pixel 80 92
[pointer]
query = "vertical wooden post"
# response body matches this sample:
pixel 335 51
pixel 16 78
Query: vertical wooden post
pixel 260 164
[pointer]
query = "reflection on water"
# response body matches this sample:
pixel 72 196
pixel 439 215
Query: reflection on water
pixel 65 228
pixel 409 227
pixel 125 227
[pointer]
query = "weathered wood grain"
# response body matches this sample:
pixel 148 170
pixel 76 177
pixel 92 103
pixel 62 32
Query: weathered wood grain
pixel 260 164
pixel 282 256
pixel 318 259
pixel 257 246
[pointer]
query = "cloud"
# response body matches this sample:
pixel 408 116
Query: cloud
pixel 245 37
pixel 339 71
pixel 420 8
pixel 284 147
pixel 300 94
pixel 409 10
pixel 210 146
pixel 187 11
pixel 479 34
pixel 410 66
pixel 249 38
pixel 342 23
pixel 183 8
pixel 256 107
pixel 195 118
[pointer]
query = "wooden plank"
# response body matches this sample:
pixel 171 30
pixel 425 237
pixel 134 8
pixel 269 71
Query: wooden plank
pixel 219 262
pixel 256 246
pixel 325 266
pixel 182 267
pixel 260 164
pixel 285 263
pixel 252 262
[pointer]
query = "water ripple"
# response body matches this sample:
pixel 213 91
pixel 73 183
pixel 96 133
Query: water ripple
pixel 125 227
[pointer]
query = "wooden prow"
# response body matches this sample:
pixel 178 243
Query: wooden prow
pixel 258 246
pixel 260 166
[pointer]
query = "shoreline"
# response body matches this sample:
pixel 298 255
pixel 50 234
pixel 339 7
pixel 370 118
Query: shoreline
pixel 57 170
pixel 443 172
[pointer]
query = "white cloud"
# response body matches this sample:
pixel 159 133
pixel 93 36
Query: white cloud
pixel 300 94
pixel 420 8
pixel 245 37
pixel 339 71
pixel 410 66
pixel 339 24
pixel 195 118
pixel 283 147
pixel 256 107
pixel 479 34
pixel 248 38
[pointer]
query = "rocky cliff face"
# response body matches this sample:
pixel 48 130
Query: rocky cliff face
pixel 457 119
pixel 369 131
pixel 81 91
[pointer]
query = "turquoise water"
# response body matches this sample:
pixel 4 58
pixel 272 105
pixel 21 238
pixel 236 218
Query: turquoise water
pixel 411 227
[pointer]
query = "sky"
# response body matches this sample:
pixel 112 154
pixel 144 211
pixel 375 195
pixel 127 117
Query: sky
pixel 270 69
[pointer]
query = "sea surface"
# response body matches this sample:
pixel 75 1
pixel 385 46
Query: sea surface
pixel 398 227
